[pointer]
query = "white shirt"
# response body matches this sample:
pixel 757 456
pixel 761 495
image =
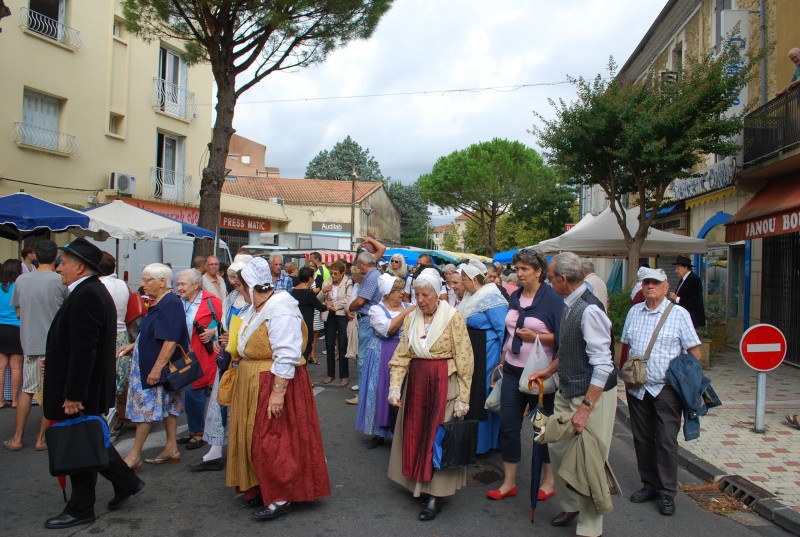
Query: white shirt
pixel 596 330
pixel 676 336
pixel 120 293
pixel 76 283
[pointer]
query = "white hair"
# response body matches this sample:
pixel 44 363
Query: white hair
pixel 159 271
pixel 191 275
pixel 368 258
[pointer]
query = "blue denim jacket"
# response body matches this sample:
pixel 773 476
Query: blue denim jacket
pixel 685 375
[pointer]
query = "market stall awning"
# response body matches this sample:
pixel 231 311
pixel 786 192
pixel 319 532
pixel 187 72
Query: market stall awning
pixel 329 256
pixel 123 221
pixel 22 214
pixel 774 210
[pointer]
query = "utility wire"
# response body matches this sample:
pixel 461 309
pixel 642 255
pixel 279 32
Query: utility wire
pixel 499 89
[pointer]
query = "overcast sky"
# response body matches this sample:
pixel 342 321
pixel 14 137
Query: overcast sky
pixel 429 49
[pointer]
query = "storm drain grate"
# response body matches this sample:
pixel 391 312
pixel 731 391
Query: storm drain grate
pixel 483 474
pixel 743 490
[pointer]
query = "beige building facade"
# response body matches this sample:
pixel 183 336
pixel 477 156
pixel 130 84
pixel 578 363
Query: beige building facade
pixel 91 112
pixel 710 205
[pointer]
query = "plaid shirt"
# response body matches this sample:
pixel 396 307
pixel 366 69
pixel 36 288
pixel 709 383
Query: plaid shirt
pixel 676 337
pixel 283 282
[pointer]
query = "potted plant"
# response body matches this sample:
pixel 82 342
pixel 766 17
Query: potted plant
pixel 716 328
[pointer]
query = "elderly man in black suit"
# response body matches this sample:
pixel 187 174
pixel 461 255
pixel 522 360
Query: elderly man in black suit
pixel 79 374
pixel 689 293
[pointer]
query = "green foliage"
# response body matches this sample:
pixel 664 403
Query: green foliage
pixel 636 138
pixel 414 214
pixel 473 239
pixel 546 215
pixel 619 305
pixel 339 163
pixel 450 240
pixel 514 232
pixel 485 181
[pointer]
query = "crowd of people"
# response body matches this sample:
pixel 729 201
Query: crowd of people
pixel 426 343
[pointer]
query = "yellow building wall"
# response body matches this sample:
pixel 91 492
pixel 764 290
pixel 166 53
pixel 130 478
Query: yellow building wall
pixel 106 74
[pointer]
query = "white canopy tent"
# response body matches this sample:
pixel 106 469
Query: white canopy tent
pixel 602 237
pixel 121 220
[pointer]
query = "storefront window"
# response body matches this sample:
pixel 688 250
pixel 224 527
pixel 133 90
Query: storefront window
pixel 714 272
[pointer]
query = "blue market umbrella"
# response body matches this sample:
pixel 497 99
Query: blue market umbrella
pixel 23 215
pixel 505 257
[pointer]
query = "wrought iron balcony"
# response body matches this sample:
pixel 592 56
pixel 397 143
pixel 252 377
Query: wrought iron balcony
pixel 37 137
pixel 173 99
pixel 44 25
pixel 773 128
pixel 169 185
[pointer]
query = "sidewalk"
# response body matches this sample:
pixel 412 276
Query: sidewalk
pixel 727 441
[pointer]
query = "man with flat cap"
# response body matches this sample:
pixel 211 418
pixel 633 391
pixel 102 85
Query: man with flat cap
pixel 79 374
pixel 689 293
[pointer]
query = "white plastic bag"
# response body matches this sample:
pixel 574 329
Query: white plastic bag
pixel 493 401
pixel 537 359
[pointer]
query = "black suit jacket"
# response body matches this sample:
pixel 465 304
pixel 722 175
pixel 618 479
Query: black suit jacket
pixel 80 364
pixel 691 298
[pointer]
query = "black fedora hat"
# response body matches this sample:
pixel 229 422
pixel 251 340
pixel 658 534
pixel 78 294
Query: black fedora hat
pixel 85 251
pixel 683 260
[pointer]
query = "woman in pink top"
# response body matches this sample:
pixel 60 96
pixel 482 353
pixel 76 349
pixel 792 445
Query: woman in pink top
pixel 533 310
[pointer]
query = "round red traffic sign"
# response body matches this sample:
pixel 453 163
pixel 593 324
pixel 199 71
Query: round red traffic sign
pixel 763 347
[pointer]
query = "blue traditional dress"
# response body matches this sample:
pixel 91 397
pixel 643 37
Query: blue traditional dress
pixel 485 314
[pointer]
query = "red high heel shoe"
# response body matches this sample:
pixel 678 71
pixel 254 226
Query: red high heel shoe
pixel 497 495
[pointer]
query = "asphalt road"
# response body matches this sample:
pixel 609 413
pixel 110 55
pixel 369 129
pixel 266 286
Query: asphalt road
pixel 364 501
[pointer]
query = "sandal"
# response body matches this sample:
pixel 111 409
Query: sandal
pixel 196 442
pixel 185 439
pixel 794 420
pixel 313 361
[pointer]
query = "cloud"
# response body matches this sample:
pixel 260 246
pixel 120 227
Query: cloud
pixel 424 46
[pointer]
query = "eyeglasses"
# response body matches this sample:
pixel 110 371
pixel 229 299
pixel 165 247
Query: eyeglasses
pixel 147 280
pixel 395 260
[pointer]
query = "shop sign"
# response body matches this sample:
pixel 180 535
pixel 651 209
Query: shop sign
pixel 715 177
pixel 776 224
pixel 244 223
pixel 331 227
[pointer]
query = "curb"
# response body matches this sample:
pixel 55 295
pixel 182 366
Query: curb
pixel 768 508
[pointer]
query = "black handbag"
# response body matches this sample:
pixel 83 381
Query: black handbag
pixel 183 371
pixel 455 444
pixel 78 445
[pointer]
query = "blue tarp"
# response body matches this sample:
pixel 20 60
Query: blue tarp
pixel 22 214
pixel 505 257
pixel 194 231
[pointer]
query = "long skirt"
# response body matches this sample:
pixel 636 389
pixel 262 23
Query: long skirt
pixel 214 432
pixel 487 356
pixel 366 411
pixel 287 452
pixel 385 414
pixel 241 420
pixel 416 427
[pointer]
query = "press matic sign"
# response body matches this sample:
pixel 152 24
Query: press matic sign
pixel 715 177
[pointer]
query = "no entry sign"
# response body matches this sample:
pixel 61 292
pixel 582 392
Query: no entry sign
pixel 763 347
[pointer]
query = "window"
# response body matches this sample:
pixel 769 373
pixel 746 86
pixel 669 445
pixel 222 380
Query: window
pixel 47 18
pixel 116 124
pixel 40 120
pixel 245 159
pixel 168 177
pixel 172 76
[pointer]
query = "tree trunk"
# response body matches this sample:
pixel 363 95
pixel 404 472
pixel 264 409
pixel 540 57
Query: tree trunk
pixel 214 172
pixel 634 252
pixel 492 228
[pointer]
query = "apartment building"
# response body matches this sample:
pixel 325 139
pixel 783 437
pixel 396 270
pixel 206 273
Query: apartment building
pixel 90 111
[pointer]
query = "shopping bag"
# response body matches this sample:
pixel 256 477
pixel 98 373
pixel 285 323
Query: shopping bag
pixel 78 445
pixel 493 401
pixel 136 307
pixel 537 359
pixel 455 444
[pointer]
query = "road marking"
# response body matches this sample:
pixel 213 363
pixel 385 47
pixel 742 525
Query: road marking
pixel 763 347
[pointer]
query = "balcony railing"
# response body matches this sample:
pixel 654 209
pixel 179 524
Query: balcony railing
pixel 772 129
pixel 169 185
pixel 173 99
pixel 44 25
pixel 58 142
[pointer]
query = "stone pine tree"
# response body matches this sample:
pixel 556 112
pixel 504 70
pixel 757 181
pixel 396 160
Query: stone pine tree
pixel 485 181
pixel 245 41
pixel 339 163
pixel 634 139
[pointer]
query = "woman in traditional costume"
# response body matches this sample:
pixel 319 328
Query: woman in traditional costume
pixel 485 315
pixel 275 453
pixel 434 356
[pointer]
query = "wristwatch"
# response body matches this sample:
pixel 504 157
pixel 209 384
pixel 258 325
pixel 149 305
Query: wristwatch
pixel 587 403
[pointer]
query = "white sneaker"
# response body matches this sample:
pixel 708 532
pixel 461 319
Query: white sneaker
pixel 354 388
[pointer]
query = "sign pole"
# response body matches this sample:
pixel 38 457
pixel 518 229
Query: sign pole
pixel 761 401
pixel 763 348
